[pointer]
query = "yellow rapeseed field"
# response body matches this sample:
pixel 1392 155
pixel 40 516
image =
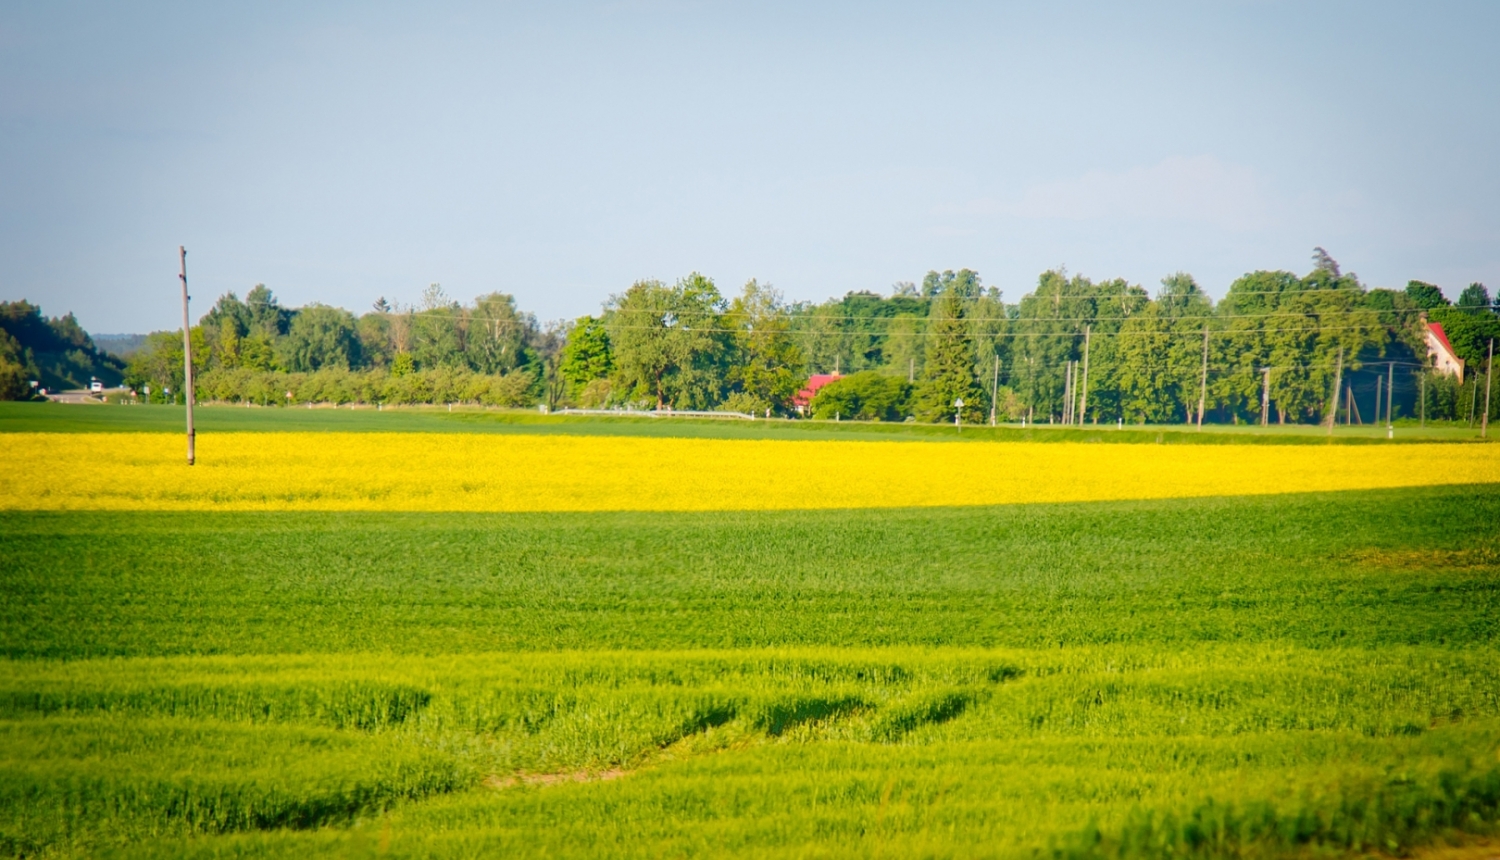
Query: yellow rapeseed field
pixel 455 472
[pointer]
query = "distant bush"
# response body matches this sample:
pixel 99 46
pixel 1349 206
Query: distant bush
pixel 866 396
pixel 338 385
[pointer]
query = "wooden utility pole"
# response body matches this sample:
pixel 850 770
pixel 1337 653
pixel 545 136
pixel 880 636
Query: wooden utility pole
pixel 994 391
pixel 1489 373
pixel 1067 391
pixel 1338 387
pixel 1422 395
pixel 1473 398
pixel 1083 398
pixel 1390 388
pixel 1073 392
pixel 187 353
pixel 1073 398
pixel 1265 396
pixel 1203 381
pixel 1030 394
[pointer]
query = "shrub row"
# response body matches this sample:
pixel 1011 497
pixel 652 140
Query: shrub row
pixel 339 385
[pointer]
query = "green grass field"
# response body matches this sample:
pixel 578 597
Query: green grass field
pixel 1309 675
pixel 1226 677
pixel 1412 567
pixel 63 418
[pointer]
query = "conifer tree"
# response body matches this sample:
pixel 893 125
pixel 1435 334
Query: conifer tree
pixel 948 374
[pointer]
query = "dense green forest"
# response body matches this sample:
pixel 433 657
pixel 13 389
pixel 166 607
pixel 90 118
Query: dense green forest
pixel 1073 350
pixel 56 353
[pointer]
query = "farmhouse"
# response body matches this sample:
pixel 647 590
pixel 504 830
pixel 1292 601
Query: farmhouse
pixel 814 382
pixel 1444 359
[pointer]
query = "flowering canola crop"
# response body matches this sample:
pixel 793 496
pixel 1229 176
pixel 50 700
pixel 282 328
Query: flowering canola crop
pixel 495 472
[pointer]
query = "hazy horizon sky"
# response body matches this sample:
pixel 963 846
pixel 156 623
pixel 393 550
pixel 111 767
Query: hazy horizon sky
pixel 559 152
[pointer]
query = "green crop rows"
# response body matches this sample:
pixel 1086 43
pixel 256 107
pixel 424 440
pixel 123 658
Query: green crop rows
pixel 1229 677
pixel 63 418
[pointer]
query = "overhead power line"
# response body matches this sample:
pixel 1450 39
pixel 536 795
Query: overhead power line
pixel 1227 333
pixel 1309 314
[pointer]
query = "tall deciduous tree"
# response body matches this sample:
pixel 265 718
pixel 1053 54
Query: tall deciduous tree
pixel 266 313
pixel 374 332
pixel 964 282
pixel 436 337
pixel 1296 327
pixel 1426 296
pixel 668 343
pixel 587 356
pixel 319 336
pixel 903 346
pixel 1475 297
pixel 229 314
pixel 1160 353
pixel 496 335
pixel 766 367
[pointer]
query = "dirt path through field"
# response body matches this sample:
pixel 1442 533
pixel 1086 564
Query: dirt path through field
pixel 500 781
pixel 1478 849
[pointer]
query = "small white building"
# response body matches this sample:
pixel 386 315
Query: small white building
pixel 1444 359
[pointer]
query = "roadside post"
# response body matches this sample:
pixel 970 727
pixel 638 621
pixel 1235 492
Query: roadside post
pixel 187 353
pixel 1489 373
pixel 1390 386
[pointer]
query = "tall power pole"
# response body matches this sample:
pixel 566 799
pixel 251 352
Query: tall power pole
pixel 1338 387
pixel 1489 373
pixel 1203 380
pixel 994 391
pixel 187 353
pixel 1473 398
pixel 1067 417
pixel 1083 398
pixel 1265 396
pixel 1390 387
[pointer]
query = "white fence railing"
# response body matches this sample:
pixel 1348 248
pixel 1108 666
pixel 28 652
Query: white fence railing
pixel 665 413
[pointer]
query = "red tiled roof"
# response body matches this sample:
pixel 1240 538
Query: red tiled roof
pixel 1442 336
pixel 814 382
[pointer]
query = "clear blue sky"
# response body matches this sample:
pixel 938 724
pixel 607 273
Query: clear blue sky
pixel 341 152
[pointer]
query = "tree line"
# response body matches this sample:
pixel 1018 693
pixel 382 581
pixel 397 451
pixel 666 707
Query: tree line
pixel 256 350
pixel 1073 350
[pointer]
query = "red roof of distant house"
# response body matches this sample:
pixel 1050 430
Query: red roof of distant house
pixel 1442 336
pixel 814 382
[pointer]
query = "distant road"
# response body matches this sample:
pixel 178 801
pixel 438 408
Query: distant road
pixel 74 397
